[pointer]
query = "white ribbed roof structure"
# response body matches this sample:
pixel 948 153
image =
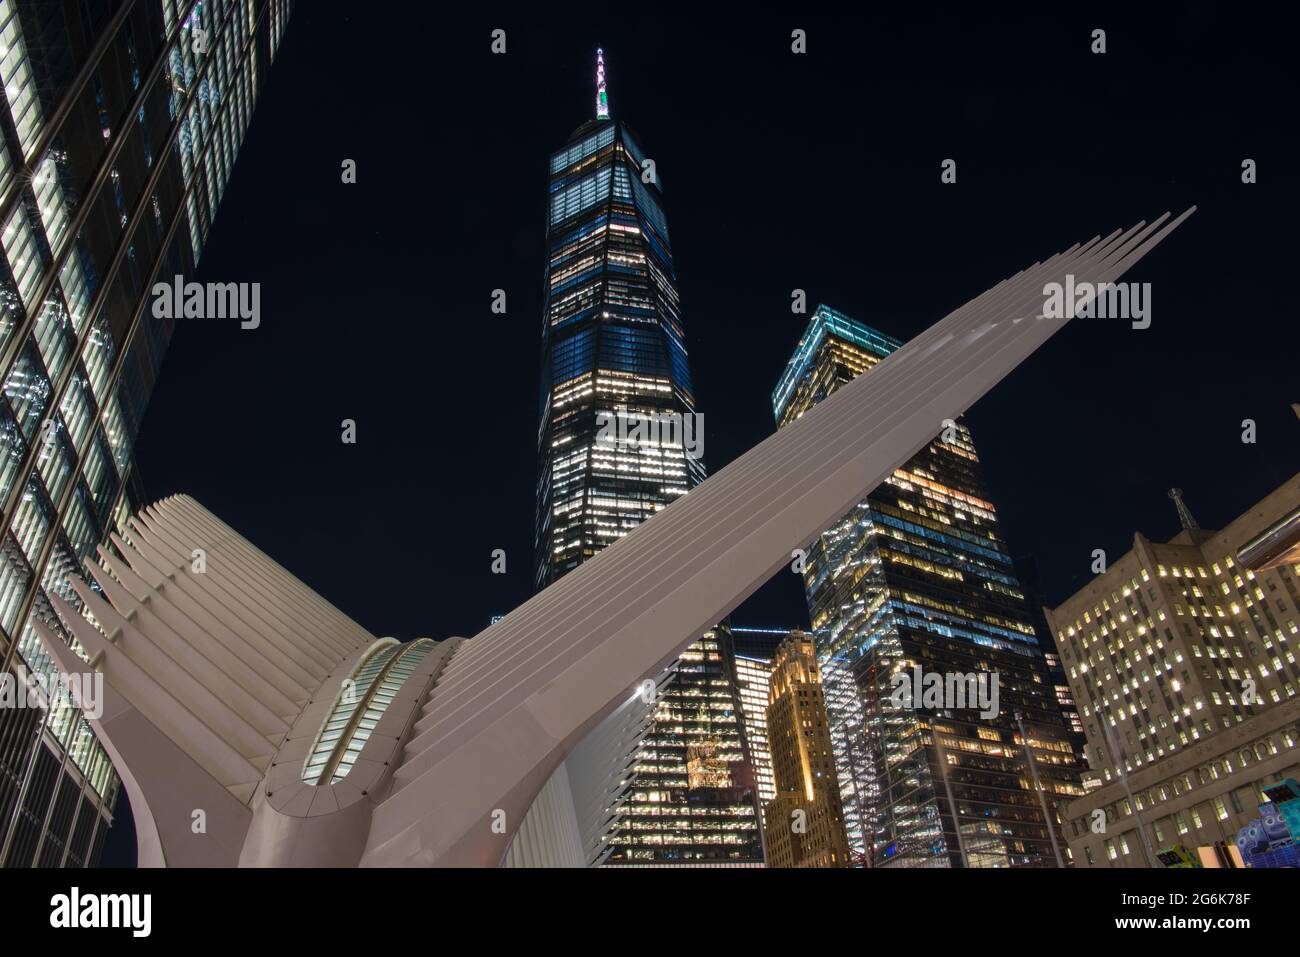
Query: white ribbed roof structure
pixel 219 682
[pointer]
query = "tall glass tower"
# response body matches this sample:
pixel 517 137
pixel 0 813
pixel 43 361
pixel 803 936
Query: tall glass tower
pixel 612 340
pixel 918 575
pixel 120 125
pixel 755 650
pixel 613 346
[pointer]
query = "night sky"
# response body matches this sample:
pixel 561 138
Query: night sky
pixel 779 171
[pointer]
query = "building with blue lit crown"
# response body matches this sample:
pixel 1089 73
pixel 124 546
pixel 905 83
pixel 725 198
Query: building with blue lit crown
pixel 612 339
pixel 613 345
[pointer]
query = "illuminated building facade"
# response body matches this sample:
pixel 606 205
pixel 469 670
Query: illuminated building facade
pixel 755 649
pixel 119 128
pixel 691 798
pixel 1181 657
pixel 612 340
pixel 1196 797
pixel 613 346
pixel 1027 572
pixel 804 823
pixel 917 574
pixel 1064 696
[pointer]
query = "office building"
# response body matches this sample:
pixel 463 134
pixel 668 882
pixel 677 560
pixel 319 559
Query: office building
pixel 1198 796
pixel 619 440
pixel 120 128
pixel 1027 572
pixel 612 341
pixel 691 799
pixel 917 576
pixel 755 649
pixel 804 823
pixel 1181 657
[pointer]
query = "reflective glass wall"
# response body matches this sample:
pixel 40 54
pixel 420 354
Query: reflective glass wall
pixel 120 125
pixel 918 575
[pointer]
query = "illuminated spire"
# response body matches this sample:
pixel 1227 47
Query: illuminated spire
pixel 602 100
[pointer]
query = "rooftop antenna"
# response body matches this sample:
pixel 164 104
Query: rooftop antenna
pixel 1184 514
pixel 602 99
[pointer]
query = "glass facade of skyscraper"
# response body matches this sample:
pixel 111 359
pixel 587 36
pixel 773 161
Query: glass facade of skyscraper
pixel 918 575
pixel 691 798
pixel 755 649
pixel 121 123
pixel 613 346
pixel 612 341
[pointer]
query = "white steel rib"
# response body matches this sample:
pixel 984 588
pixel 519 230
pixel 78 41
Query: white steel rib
pixel 519 696
pixel 219 679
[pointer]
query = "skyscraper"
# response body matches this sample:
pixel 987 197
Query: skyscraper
pixel 804 823
pixel 918 575
pixel 690 798
pixel 1027 573
pixel 614 353
pixel 755 649
pixel 120 126
pixel 612 340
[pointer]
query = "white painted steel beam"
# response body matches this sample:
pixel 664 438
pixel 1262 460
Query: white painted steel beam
pixel 523 693
pixel 218 678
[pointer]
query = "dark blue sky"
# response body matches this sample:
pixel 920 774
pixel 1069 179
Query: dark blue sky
pixel 819 172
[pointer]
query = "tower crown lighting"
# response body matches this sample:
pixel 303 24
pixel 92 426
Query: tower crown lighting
pixel 602 99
